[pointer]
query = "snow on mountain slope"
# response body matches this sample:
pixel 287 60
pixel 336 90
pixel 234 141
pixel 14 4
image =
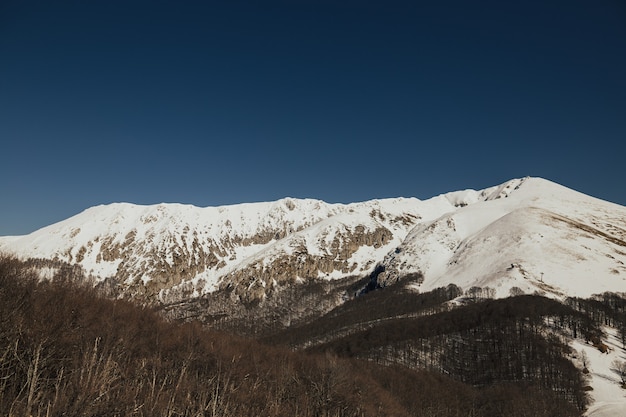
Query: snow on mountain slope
pixel 182 250
pixel 531 234
pixel 528 233
pixel 609 398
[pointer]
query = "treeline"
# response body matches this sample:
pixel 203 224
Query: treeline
pixel 519 341
pixel 608 309
pixel 366 311
pixel 65 351
pixel 285 307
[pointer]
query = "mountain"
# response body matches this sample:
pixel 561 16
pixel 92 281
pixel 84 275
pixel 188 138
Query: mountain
pixel 526 235
pixel 156 251
pixel 529 234
pixel 423 285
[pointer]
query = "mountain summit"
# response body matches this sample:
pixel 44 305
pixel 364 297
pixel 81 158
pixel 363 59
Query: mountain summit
pixel 526 235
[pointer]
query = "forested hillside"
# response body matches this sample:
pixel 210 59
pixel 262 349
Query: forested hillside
pixel 65 350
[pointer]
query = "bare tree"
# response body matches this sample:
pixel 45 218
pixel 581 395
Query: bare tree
pixel 585 361
pixel 619 367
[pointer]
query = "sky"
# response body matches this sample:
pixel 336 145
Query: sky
pixel 222 102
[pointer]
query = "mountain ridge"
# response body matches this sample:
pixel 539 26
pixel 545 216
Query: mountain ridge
pixel 171 251
pixel 537 237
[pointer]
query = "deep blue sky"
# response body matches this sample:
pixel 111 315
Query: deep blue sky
pixel 212 103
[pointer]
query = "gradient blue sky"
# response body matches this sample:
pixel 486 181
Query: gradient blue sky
pixel 213 103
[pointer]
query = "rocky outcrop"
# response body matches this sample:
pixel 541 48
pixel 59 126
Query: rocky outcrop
pixel 168 252
pixel 258 279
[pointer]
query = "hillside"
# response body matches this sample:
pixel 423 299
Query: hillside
pixel 66 351
pixel 528 273
pixel 172 251
pixel 527 234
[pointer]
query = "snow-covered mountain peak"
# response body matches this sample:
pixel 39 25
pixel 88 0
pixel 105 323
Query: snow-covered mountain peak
pixel 529 234
pixel 555 236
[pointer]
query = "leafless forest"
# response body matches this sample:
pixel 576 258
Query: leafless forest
pixel 67 350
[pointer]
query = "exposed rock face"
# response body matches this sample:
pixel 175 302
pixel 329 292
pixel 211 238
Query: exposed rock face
pixel 171 252
pixel 254 281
